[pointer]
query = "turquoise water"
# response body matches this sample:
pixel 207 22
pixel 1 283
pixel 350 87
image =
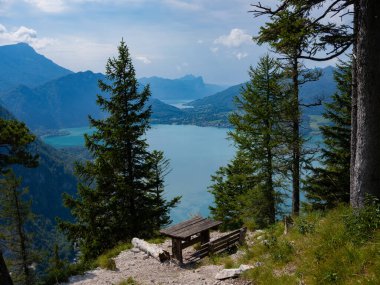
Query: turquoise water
pixel 194 152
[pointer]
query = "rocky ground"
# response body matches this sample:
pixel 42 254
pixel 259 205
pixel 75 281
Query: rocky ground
pixel 147 270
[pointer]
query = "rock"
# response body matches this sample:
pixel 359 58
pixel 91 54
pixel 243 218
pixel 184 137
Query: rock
pixel 232 273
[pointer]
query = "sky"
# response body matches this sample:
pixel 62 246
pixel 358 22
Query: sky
pixel 166 38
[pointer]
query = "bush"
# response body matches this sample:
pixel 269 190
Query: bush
pixel 362 223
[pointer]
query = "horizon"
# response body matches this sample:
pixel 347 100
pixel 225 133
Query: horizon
pixel 166 38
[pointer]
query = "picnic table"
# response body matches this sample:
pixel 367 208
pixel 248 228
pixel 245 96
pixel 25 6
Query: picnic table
pixel 188 233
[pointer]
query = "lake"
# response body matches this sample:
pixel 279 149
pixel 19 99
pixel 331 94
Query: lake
pixel 195 154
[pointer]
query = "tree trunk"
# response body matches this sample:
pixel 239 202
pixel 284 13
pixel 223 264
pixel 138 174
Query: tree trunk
pixel 367 157
pixel 296 141
pixel 354 108
pixel 5 278
pixel 151 249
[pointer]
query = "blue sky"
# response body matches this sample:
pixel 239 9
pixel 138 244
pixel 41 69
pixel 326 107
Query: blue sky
pixel 167 38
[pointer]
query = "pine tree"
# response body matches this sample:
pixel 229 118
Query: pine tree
pixel 160 167
pixel 230 183
pixel 114 200
pixel 15 218
pixel 329 184
pixel 15 139
pixel 288 33
pixel 260 137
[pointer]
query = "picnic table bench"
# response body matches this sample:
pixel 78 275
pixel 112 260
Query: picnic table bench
pixel 188 233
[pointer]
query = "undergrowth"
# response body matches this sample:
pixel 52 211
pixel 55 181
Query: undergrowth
pixel 106 260
pixel 341 246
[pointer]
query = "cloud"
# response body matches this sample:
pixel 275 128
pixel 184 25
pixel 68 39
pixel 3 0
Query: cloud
pixel 180 4
pixel 240 55
pixel 24 35
pixel 236 38
pixel 214 49
pixel 144 59
pixel 48 6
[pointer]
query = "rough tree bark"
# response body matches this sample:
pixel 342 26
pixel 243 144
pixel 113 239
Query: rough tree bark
pixel 354 105
pixel 5 278
pixel 367 157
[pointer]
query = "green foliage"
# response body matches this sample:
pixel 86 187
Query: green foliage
pixel 129 281
pixel 119 194
pixel 329 184
pixel 160 167
pixel 245 190
pixel 336 247
pixel 16 219
pixel 15 138
pixel 106 259
pixel 362 223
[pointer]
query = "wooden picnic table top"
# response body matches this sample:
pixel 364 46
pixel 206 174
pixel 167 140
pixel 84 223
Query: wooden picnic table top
pixel 190 227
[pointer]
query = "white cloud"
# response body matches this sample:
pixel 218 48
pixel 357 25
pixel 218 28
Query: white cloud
pixel 144 59
pixel 48 6
pixel 181 4
pixel 214 49
pixel 24 35
pixel 236 38
pixel 240 55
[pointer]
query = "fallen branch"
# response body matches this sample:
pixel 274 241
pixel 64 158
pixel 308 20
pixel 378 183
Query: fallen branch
pixel 151 249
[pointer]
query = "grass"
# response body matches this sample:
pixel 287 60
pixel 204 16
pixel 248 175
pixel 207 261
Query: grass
pixel 106 260
pixel 337 247
pixel 129 281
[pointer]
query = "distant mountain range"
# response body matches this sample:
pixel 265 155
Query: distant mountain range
pixel 188 87
pixel 47 96
pixel 20 64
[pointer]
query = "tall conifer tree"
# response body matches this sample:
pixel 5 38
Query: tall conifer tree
pixel 329 184
pixel 15 218
pixel 288 33
pixel 15 139
pixel 114 200
pixel 260 137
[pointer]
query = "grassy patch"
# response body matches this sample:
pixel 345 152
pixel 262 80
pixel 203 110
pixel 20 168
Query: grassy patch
pixel 338 247
pixel 106 259
pixel 129 281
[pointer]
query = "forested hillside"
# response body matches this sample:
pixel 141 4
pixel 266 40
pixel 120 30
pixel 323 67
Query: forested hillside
pixel 49 180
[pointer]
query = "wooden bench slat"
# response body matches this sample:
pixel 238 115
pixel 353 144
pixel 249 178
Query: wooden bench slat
pixel 182 225
pixel 220 244
pixel 197 228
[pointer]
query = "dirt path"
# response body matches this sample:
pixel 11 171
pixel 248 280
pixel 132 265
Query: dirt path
pixel 147 270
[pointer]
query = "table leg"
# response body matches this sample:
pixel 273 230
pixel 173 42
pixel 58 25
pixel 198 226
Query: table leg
pixel 205 237
pixel 177 249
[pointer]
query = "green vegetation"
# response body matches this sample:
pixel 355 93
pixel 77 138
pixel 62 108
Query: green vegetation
pixel 16 219
pixel 129 281
pixel 329 184
pixel 106 259
pixel 120 194
pixel 246 190
pixel 341 246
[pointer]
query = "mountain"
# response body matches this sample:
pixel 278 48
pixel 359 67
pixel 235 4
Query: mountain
pixel 188 87
pixel 49 180
pixel 216 108
pixel 66 102
pixel 21 64
pixel 220 102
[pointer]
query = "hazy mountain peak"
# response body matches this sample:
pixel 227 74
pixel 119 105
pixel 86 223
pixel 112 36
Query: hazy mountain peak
pixel 21 64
